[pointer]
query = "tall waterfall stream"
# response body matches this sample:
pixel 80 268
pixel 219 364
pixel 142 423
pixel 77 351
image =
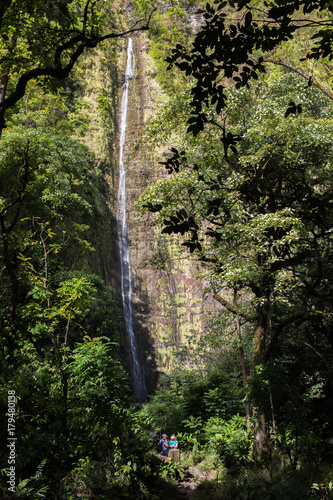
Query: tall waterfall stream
pixel 125 264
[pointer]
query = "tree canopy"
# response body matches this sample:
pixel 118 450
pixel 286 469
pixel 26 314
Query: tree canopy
pixel 238 47
pixel 43 40
pixel 252 195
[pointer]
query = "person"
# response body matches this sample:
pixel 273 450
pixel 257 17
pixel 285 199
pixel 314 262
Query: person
pixel 173 443
pixel 173 449
pixel 163 445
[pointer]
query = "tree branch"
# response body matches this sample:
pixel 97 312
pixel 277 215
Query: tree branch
pixel 301 73
pixel 85 17
pixel 296 319
pixel 232 308
pixel 57 70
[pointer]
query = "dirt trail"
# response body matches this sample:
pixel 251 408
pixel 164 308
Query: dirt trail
pixel 185 489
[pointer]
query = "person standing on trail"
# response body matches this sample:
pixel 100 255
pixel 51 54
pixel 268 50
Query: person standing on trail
pixel 173 449
pixel 173 443
pixel 163 445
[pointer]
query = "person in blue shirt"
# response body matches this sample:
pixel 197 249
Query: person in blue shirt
pixel 173 443
pixel 163 445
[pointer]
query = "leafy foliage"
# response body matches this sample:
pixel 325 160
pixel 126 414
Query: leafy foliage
pixel 224 49
pixel 247 195
pixel 230 441
pixel 60 322
pixel 43 42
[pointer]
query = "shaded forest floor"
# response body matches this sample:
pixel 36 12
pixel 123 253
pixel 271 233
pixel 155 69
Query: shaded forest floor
pixel 192 477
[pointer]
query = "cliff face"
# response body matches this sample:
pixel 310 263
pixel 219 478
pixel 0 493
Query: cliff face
pixel 99 110
pixel 168 300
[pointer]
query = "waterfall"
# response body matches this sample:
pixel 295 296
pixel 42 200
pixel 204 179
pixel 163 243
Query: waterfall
pixel 125 264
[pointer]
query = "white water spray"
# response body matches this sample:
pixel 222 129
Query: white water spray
pixel 125 264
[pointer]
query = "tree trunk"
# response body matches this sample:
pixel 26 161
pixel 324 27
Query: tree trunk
pixel 261 441
pixel 244 373
pixel 259 341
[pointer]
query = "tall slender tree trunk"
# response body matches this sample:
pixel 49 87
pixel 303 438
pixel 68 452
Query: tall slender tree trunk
pixel 247 397
pixel 261 441
pixel 63 368
pixel 243 367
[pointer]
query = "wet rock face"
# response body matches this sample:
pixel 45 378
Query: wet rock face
pixel 168 301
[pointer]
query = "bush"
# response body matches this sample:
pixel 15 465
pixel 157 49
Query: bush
pixel 229 440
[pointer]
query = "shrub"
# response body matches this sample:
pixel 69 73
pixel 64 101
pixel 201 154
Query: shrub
pixel 229 440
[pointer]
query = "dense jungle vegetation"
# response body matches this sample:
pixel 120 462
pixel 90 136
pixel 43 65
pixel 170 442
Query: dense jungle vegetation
pixel 247 131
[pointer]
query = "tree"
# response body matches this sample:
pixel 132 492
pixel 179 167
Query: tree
pixel 260 204
pixel 98 384
pixel 42 177
pixel 235 50
pixel 44 40
pixel 260 216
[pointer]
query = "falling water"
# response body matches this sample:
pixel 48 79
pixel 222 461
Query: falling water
pixel 125 264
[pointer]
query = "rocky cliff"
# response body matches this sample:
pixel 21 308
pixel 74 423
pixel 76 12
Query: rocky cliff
pixel 168 299
pixel 169 303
